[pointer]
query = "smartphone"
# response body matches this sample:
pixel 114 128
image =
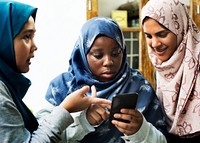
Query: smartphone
pixel 119 101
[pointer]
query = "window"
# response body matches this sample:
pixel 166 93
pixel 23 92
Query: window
pixel 132 46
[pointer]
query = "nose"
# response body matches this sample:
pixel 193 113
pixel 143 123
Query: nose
pixel 33 46
pixel 108 61
pixel 155 43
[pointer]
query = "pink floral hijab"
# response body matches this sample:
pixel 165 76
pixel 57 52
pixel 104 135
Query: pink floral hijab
pixel 178 79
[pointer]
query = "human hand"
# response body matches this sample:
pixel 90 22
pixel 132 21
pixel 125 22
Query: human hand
pixel 78 101
pixel 133 116
pixel 96 114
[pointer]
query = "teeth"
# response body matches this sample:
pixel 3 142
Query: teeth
pixel 160 50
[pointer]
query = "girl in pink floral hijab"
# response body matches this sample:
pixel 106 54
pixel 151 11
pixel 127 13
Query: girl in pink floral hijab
pixel 174 49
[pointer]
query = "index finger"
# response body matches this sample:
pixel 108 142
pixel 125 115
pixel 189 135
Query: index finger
pixel 100 101
pixel 94 92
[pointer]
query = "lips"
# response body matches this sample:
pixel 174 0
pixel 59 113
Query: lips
pixel 108 75
pixel 107 72
pixel 160 51
pixel 29 59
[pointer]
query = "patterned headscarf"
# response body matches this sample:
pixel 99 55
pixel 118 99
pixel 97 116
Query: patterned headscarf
pixel 178 79
pixel 127 80
pixel 13 16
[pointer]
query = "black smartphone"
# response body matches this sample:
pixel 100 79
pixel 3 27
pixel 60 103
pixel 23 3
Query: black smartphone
pixel 119 101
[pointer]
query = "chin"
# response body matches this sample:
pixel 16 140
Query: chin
pixel 25 70
pixel 107 79
pixel 163 59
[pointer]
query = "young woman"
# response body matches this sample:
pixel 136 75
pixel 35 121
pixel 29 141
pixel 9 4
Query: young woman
pixel 174 49
pixel 99 59
pixel 17 123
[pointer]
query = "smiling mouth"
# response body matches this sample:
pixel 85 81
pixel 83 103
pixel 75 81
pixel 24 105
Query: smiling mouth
pixel 160 51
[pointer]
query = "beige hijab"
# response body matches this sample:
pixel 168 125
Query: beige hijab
pixel 178 79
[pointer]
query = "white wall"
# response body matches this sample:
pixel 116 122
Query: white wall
pixel 58 23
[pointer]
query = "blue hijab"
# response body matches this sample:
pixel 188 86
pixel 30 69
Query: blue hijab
pixel 13 16
pixel 127 80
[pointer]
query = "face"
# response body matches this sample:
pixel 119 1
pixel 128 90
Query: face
pixel 160 39
pixel 105 58
pixel 24 46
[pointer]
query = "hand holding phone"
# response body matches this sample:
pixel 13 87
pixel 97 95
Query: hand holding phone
pixel 119 101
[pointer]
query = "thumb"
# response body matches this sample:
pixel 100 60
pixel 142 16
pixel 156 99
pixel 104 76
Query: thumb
pixel 94 92
pixel 82 91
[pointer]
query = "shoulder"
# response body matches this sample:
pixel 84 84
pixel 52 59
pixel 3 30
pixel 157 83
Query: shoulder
pixel 2 85
pixel 4 92
pixel 5 96
pixel 62 79
pixel 6 101
pixel 136 75
pixel 141 81
pixel 135 72
pixel 67 76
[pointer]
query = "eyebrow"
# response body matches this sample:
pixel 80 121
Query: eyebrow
pixel 97 49
pixel 165 30
pixel 28 31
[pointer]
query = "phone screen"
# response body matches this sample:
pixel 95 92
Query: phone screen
pixel 119 101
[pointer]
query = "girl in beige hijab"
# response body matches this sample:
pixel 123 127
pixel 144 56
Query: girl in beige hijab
pixel 174 49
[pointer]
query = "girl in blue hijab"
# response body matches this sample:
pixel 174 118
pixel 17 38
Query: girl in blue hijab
pixel 17 47
pixel 118 78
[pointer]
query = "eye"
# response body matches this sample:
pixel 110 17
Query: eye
pixel 27 37
pixel 97 55
pixel 148 36
pixel 116 52
pixel 162 34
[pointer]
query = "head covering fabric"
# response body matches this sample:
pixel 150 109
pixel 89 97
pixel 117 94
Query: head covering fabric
pixel 178 79
pixel 13 16
pixel 126 81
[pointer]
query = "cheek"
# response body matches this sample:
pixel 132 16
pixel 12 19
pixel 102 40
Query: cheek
pixel 148 42
pixel 173 44
pixel 21 54
pixel 95 68
pixel 94 64
pixel 173 49
pixel 18 53
pixel 118 63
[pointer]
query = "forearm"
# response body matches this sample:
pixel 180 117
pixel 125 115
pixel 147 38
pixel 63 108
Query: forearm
pixel 80 128
pixel 51 126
